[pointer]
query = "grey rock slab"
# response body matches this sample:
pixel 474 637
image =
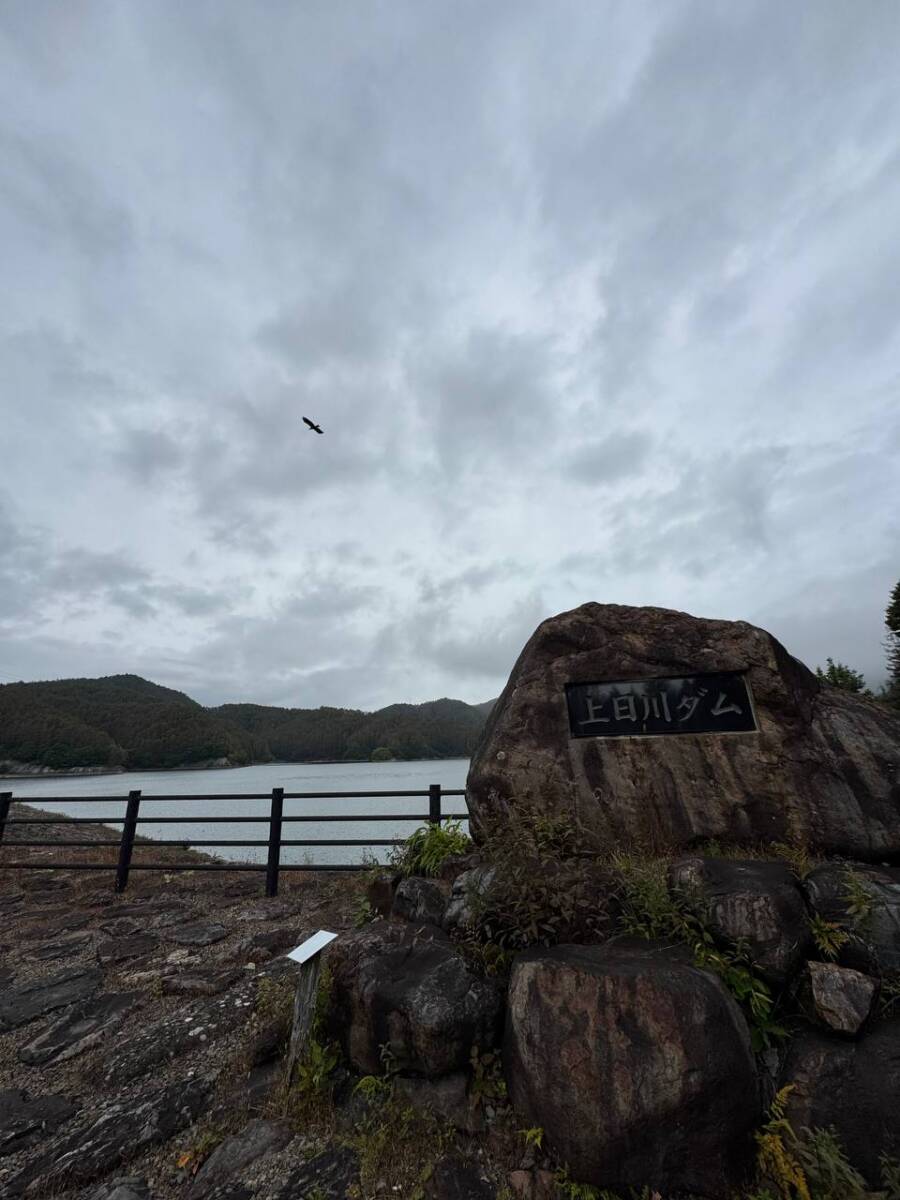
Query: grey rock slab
pixel 182 1031
pixel 121 1128
pixel 466 891
pixel 18 1006
pixel 200 982
pixel 197 933
pixel 118 950
pixel 65 948
pixel 328 1176
pixel 419 899
pixel 821 767
pixel 258 947
pixel 446 1097
pixel 455 1179
pixel 757 904
pixel 128 1187
pixel 50 924
pixel 409 989
pixel 84 1025
pixel 122 927
pixel 838 998
pixel 24 1121
pixel 232 1156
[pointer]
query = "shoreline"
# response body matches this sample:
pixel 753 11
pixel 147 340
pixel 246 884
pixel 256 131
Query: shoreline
pixel 39 772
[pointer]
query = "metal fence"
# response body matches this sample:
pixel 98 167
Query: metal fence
pixel 274 842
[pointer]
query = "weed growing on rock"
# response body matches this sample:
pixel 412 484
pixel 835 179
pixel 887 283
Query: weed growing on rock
pixel 545 886
pixel 425 851
pixel 829 938
pixel 860 902
pixel 649 909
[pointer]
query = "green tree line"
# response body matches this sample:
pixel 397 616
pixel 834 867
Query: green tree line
pixel 125 721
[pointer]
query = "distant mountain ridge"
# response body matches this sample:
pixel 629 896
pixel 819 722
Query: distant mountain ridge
pixel 126 722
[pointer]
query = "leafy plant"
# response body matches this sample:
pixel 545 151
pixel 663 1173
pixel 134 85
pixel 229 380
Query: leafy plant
pixel 651 910
pixel 487 1083
pixel 426 850
pixel 544 886
pixel 311 1073
pixel 828 936
pixel 363 912
pixel 534 1138
pixel 859 901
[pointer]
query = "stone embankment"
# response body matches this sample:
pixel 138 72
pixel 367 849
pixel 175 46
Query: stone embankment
pixel 142 1036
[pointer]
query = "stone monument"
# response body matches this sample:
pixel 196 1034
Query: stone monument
pixel 655 728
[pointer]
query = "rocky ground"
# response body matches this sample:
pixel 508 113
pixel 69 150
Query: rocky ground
pixel 125 1019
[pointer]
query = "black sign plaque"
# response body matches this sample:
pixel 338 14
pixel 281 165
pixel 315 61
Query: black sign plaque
pixel 710 703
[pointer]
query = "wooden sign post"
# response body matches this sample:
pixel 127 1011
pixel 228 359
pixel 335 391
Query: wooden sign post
pixel 308 955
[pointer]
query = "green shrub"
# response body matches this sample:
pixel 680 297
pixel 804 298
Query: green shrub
pixel 545 887
pixel 425 851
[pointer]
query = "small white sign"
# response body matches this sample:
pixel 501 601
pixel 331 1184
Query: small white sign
pixel 312 946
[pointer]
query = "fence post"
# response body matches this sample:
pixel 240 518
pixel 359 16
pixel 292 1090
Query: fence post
pixel 127 843
pixel 274 842
pixel 5 801
pixel 434 804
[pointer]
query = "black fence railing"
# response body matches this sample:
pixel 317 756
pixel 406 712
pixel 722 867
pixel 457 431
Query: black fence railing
pixel 273 865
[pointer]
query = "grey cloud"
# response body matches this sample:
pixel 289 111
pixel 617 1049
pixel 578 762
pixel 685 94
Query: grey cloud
pixel 149 453
pixel 609 459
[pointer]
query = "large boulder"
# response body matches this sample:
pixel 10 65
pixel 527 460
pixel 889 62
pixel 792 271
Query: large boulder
pixel 852 1087
pixel 757 905
pixel 410 991
pixel 636 1063
pixel 822 766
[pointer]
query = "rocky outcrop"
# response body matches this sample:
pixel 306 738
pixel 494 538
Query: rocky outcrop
pixel 18 1006
pixel 105 1137
pixel 852 1087
pixel 822 767
pixel 82 1026
pixel 757 905
pixel 635 1063
pixel 410 991
pixel 421 900
pixel 25 1120
pixel 329 1176
pixel 864 902
pixel 235 1153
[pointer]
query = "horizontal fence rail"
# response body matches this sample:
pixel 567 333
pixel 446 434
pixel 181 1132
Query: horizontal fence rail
pixel 273 866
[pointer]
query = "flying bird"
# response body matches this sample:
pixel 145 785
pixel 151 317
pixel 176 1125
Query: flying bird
pixel 313 425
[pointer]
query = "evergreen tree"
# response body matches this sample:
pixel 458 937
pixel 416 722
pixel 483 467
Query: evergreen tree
pixel 839 675
pixel 891 692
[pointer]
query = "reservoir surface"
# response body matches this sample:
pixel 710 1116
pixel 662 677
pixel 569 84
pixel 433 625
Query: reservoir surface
pixel 390 777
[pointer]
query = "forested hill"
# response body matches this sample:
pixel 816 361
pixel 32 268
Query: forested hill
pixel 126 721
pixel 438 729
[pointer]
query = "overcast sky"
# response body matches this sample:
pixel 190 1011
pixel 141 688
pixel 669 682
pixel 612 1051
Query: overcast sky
pixel 594 301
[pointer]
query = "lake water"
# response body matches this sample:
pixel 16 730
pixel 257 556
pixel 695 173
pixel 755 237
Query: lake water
pixel 293 777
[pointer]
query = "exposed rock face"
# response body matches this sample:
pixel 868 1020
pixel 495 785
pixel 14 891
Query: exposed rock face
pixel 455 1179
pixel 636 1064
pixel 230 1157
pixel 102 1139
pixel 21 1005
pixel 329 1175
pixel 852 1086
pixel 420 900
pixel 874 942
pixel 823 768
pixel 24 1121
pixel 467 889
pixel 393 987
pixel 758 904
pixel 80 1027
pixel 836 997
